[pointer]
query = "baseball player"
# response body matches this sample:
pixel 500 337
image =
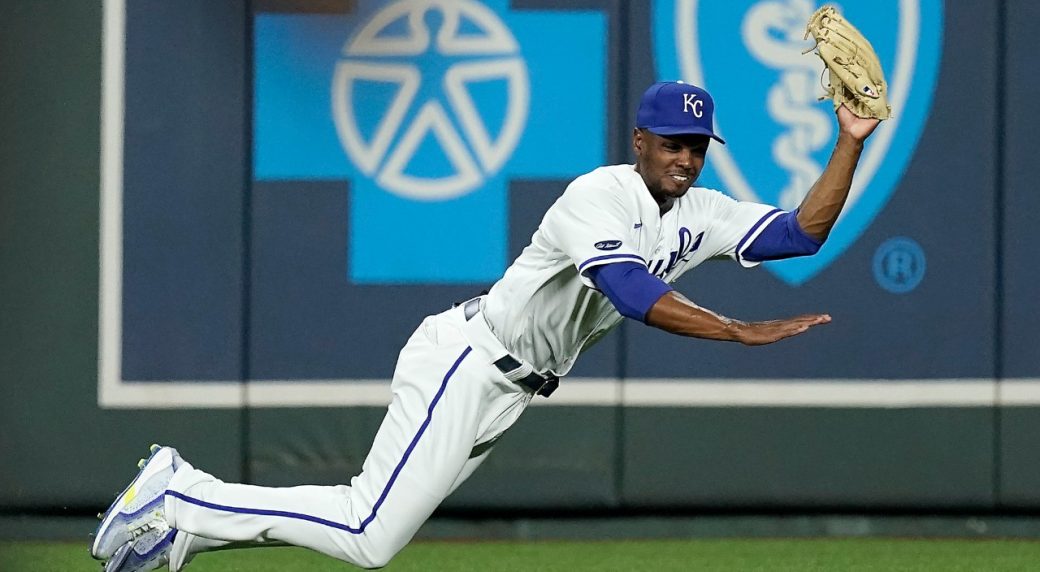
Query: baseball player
pixel 606 250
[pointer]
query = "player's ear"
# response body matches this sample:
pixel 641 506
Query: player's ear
pixel 638 141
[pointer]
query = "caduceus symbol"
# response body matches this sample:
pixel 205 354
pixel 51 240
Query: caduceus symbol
pixel 772 32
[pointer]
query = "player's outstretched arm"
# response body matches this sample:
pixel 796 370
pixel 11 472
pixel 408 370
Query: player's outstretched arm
pixel 674 313
pixel 821 207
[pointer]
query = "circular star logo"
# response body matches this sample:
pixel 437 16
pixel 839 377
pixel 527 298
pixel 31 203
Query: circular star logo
pixel 431 97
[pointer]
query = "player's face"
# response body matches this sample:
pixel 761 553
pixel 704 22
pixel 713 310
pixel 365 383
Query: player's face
pixel 669 164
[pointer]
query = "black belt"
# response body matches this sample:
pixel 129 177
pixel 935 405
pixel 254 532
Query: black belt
pixel 534 383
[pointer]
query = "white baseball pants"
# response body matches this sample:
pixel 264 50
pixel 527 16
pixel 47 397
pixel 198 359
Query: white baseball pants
pixel 447 399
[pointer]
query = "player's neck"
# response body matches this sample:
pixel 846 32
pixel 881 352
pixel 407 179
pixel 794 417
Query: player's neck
pixel 666 205
pixel 664 202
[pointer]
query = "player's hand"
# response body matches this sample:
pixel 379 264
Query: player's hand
pixel 859 128
pixel 761 333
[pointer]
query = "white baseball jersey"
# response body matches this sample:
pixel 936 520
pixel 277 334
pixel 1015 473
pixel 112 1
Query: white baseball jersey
pixel 450 401
pixel 546 311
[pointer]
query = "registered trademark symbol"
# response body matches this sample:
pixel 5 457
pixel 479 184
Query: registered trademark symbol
pixel 899 265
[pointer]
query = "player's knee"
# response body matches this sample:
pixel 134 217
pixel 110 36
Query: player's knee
pixel 376 556
pixel 375 564
pixel 375 561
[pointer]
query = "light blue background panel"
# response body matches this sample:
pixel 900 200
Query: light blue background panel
pixel 416 236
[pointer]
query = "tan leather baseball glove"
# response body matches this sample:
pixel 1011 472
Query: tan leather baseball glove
pixel 856 77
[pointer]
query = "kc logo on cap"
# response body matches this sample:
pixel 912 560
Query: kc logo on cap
pixel 692 104
pixel 677 108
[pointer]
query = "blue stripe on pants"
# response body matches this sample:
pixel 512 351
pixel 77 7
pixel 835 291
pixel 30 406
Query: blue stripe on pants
pixel 382 497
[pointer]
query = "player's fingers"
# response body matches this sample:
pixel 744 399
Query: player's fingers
pixel 788 332
pixel 802 324
pixel 804 328
pixel 774 331
pixel 812 319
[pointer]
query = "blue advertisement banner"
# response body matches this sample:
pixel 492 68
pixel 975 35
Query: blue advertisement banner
pixel 751 56
pixel 429 109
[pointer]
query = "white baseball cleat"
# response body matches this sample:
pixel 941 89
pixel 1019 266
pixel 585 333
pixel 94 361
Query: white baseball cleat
pixel 139 509
pixel 148 551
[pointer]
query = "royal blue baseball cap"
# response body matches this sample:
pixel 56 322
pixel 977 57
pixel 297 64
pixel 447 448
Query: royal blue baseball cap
pixel 677 108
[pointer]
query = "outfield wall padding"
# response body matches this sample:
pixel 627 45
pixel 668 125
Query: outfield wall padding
pixel 228 279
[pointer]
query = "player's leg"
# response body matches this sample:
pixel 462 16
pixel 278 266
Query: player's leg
pixel 445 401
pixel 489 435
pixel 186 545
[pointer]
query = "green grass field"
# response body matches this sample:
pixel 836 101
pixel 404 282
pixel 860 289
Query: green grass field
pixel 802 555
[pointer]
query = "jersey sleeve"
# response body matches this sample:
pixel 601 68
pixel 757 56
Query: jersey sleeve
pixel 736 224
pixel 593 225
pixel 630 287
pixel 782 238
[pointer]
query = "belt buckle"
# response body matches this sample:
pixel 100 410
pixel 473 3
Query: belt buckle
pixel 548 386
